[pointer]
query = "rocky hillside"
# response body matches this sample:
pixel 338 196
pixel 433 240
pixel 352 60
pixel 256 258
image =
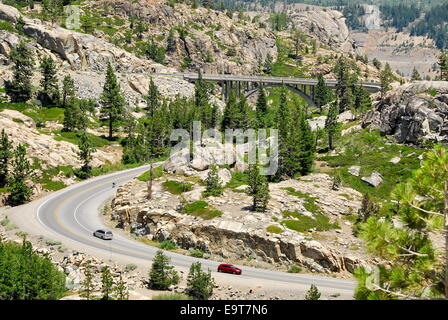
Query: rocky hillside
pixel 413 112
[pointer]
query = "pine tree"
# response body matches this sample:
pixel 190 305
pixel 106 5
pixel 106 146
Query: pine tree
pixel 313 293
pixel 307 145
pixel 20 192
pixel 261 110
pixel 416 75
pixel 6 154
pixel 162 274
pixel 112 100
pixel 19 89
pixel 213 183
pixel 49 95
pixel 153 99
pixel 331 125
pixel 121 290
pixel 258 188
pixel 200 284
pixel 171 42
pixel 385 79
pixel 107 284
pixel 74 117
pixel 322 95
pixel 344 82
pixel 443 65
pixel 53 9
pixel 283 121
pixel 87 287
pixel 230 115
pixel 363 101
pixel 86 149
pixel 415 268
pixel 242 118
pixel 68 90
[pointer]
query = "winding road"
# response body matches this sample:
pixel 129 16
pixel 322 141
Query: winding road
pixel 72 214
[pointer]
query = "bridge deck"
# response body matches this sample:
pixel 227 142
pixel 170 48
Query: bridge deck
pixel 370 86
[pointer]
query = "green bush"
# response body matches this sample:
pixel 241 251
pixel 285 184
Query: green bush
pixel 197 253
pixel 167 245
pixel 175 187
pixel 25 275
pixel 294 269
pixel 274 229
pixel 157 171
pixel 201 209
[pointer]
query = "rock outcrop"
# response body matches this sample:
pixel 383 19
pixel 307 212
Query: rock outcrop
pixel 413 112
pixel 327 26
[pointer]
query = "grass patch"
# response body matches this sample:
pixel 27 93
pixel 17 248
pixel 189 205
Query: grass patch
pixel 171 296
pixel 201 209
pixel 309 202
pixel 302 223
pixel 8 224
pixel 73 137
pixel 176 187
pixel 274 229
pixel 294 269
pixel 157 171
pixel 238 179
pixel 167 245
pixel 372 152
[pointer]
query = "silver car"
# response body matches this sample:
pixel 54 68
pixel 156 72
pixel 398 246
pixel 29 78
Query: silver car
pixel 103 234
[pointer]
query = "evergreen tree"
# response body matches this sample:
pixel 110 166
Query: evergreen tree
pixel 213 183
pixel 121 290
pixel 87 287
pixel 19 89
pixel 68 90
pixel 200 284
pixel 322 94
pixel 153 99
pixel 283 121
pixel 313 293
pixel 261 110
pixel 385 79
pixel 363 101
pixel 242 118
pixel 343 84
pixel 258 188
pixel 112 100
pixel 49 94
pixel 307 144
pixel 20 192
pixel 162 275
pixel 53 9
pixel 6 154
pixel 171 42
pixel 416 75
pixel 230 115
pixel 74 117
pixel 107 284
pixel 443 65
pixel 86 149
pixel 331 125
pixel 415 268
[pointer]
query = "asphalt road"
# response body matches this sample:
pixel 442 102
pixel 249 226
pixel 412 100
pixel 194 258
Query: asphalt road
pixel 72 215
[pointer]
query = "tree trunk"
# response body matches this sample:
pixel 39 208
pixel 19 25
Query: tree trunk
pixel 446 239
pixel 149 184
pixel 110 126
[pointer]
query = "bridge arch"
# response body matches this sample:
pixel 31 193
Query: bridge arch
pixel 306 97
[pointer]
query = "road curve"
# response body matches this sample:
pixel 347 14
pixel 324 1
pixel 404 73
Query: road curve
pixel 72 214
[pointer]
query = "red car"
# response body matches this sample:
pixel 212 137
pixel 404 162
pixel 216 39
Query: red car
pixel 228 268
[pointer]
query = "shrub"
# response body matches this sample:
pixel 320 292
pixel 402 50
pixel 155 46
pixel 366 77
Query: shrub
pixel 197 253
pixel 175 187
pixel 295 269
pixel 25 275
pixel 200 283
pixel 274 229
pixel 130 267
pixel 167 245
